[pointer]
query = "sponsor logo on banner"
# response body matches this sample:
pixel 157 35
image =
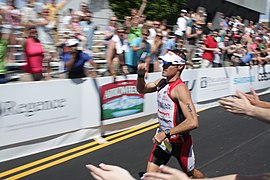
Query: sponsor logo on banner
pixel 207 82
pixel 242 80
pixel 265 76
pixel 190 84
pixel 203 82
pixel 9 108
pixel 120 98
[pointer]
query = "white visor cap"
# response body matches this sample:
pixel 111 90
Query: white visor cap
pixel 173 58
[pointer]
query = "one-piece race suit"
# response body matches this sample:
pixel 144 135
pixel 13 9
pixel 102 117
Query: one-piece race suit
pixel 170 115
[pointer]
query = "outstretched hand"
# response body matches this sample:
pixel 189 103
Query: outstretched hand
pixel 109 172
pixel 239 104
pixel 166 173
pixel 253 98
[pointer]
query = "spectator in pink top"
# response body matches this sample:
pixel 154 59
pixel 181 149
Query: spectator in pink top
pixel 34 55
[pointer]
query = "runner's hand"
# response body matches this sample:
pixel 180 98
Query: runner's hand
pixel 159 137
pixel 142 68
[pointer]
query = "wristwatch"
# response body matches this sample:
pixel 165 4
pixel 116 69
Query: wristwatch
pixel 167 133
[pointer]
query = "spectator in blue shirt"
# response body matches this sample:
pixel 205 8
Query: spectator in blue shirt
pixel 174 42
pixel 141 52
pixel 88 28
pixel 75 59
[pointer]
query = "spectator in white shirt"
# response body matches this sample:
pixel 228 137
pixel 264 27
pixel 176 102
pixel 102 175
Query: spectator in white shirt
pixel 182 22
pixel 67 19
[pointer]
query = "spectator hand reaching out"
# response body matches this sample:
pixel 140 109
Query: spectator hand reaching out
pixel 238 104
pixel 253 98
pixel 109 172
pixel 247 104
pixel 166 173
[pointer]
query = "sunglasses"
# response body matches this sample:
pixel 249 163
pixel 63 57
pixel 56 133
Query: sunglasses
pixel 145 34
pixel 113 20
pixel 165 63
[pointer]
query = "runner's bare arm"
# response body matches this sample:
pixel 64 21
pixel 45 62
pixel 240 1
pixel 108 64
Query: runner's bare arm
pixel 143 87
pixel 181 94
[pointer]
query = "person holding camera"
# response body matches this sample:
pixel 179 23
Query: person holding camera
pixel 74 59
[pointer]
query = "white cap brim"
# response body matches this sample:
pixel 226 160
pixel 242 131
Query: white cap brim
pixel 173 58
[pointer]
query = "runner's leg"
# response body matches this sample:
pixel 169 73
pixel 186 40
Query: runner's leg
pixel 157 158
pixel 186 158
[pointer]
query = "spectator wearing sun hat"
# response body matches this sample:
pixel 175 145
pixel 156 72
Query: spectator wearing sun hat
pixel 75 59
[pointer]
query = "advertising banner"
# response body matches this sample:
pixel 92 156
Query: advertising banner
pixel 189 76
pixel 213 83
pixel 120 98
pixel 243 78
pixel 34 110
pixel 262 79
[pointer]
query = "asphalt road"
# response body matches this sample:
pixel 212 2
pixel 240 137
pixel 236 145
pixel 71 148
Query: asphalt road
pixel 224 144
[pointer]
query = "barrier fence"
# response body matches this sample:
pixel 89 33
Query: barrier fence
pixel 38 116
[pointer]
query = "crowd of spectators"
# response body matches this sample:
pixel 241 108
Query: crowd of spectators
pixel 42 39
pixel 233 42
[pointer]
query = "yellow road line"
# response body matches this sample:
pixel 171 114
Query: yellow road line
pixel 14 170
pixel 59 161
pixel 28 165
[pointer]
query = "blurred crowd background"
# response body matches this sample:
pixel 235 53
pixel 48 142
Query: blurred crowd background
pixel 37 43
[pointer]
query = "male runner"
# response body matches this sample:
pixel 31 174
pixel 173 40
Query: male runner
pixel 176 115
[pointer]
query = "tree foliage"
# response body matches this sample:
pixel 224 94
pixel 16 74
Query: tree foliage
pixel 155 9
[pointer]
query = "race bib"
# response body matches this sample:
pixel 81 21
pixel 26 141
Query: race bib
pixel 165 144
